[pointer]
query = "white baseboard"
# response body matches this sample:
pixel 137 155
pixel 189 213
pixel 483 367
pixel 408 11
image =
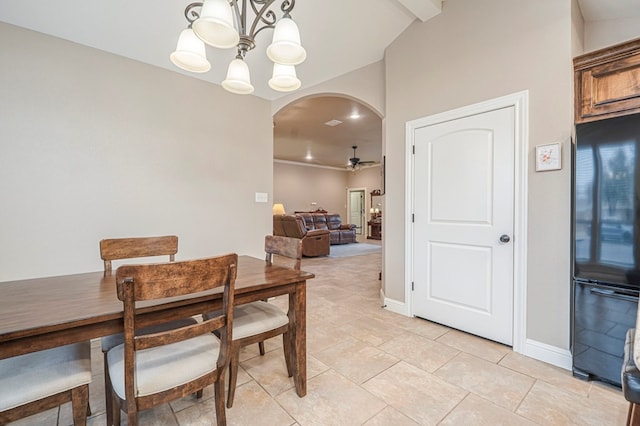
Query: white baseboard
pixel 547 353
pixel 393 305
pixel 532 348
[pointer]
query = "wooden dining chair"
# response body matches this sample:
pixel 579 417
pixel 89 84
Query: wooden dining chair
pixel 38 381
pixel 129 248
pixel 289 251
pixel 149 370
pixel 257 321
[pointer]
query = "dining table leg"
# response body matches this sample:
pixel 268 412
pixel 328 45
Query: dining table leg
pixel 298 319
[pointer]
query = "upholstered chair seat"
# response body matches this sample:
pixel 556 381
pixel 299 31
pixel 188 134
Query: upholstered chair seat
pixel 44 380
pixel 161 368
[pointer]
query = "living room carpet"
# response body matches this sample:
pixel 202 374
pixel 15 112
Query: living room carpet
pixel 353 249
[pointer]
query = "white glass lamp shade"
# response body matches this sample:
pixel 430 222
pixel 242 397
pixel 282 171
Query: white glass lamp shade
pixel 215 24
pixel 190 53
pixel 284 78
pixel 238 79
pixel 286 48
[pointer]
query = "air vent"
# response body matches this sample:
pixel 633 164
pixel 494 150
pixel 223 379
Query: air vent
pixel 333 123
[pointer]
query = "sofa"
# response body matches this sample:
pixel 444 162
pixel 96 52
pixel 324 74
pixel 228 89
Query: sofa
pixel 339 233
pixel 315 242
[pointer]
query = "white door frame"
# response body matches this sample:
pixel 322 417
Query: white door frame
pixel 363 213
pixel 520 102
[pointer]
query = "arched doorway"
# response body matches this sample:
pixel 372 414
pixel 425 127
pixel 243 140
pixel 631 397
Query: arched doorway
pixel 314 140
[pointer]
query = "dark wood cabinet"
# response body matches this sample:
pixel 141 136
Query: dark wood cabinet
pixel 607 82
pixel 375 229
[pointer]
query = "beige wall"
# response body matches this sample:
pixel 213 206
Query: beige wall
pixel 95 145
pixel 577 26
pixel 365 84
pixel 368 177
pixel 457 59
pixel 297 186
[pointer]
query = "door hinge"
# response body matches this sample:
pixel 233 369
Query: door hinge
pixel 413 218
pixel 412 285
pixel 413 149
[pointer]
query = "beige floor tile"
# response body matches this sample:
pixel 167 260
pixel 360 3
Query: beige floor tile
pixel 253 406
pixel 99 420
pixel 371 329
pixel 203 413
pixel 315 367
pixel 331 400
pixel 418 326
pixel 161 415
pixel 476 411
pixel 420 351
pixel 356 360
pixel 546 372
pixel 423 397
pixel 390 416
pixel 323 336
pixel 608 394
pixel 270 371
pixel 333 314
pixel 482 348
pixel 549 405
pixel 251 351
pixel 499 385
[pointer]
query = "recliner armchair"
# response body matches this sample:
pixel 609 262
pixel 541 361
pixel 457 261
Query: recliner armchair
pixel 340 234
pixel 315 242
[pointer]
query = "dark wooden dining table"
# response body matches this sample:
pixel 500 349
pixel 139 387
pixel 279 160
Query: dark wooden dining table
pixel 41 313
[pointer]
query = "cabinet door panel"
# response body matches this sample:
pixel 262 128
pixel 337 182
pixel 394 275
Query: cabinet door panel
pixel 607 82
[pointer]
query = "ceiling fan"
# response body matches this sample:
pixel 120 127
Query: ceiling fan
pixel 354 162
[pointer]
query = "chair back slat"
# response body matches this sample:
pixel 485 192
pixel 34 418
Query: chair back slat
pixel 283 246
pixel 128 248
pixel 147 341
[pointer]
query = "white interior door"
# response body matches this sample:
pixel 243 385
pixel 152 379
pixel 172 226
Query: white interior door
pixel 356 210
pixel 463 223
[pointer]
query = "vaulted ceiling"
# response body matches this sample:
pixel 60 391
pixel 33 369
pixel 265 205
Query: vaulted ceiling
pixel 339 36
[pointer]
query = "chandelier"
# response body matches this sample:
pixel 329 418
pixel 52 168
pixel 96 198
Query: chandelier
pixel 212 22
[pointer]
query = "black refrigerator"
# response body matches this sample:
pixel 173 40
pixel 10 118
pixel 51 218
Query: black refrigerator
pixel 606 237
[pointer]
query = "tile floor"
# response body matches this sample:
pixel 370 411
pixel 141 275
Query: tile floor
pixel 368 366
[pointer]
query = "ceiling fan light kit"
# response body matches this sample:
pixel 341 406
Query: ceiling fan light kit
pixel 212 22
pixel 354 162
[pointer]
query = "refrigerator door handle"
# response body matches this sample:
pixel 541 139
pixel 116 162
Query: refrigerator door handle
pixel 613 294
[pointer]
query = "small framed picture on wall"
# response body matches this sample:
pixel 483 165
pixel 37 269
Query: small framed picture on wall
pixel 548 157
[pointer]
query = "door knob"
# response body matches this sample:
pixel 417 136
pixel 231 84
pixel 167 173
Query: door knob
pixel 504 238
